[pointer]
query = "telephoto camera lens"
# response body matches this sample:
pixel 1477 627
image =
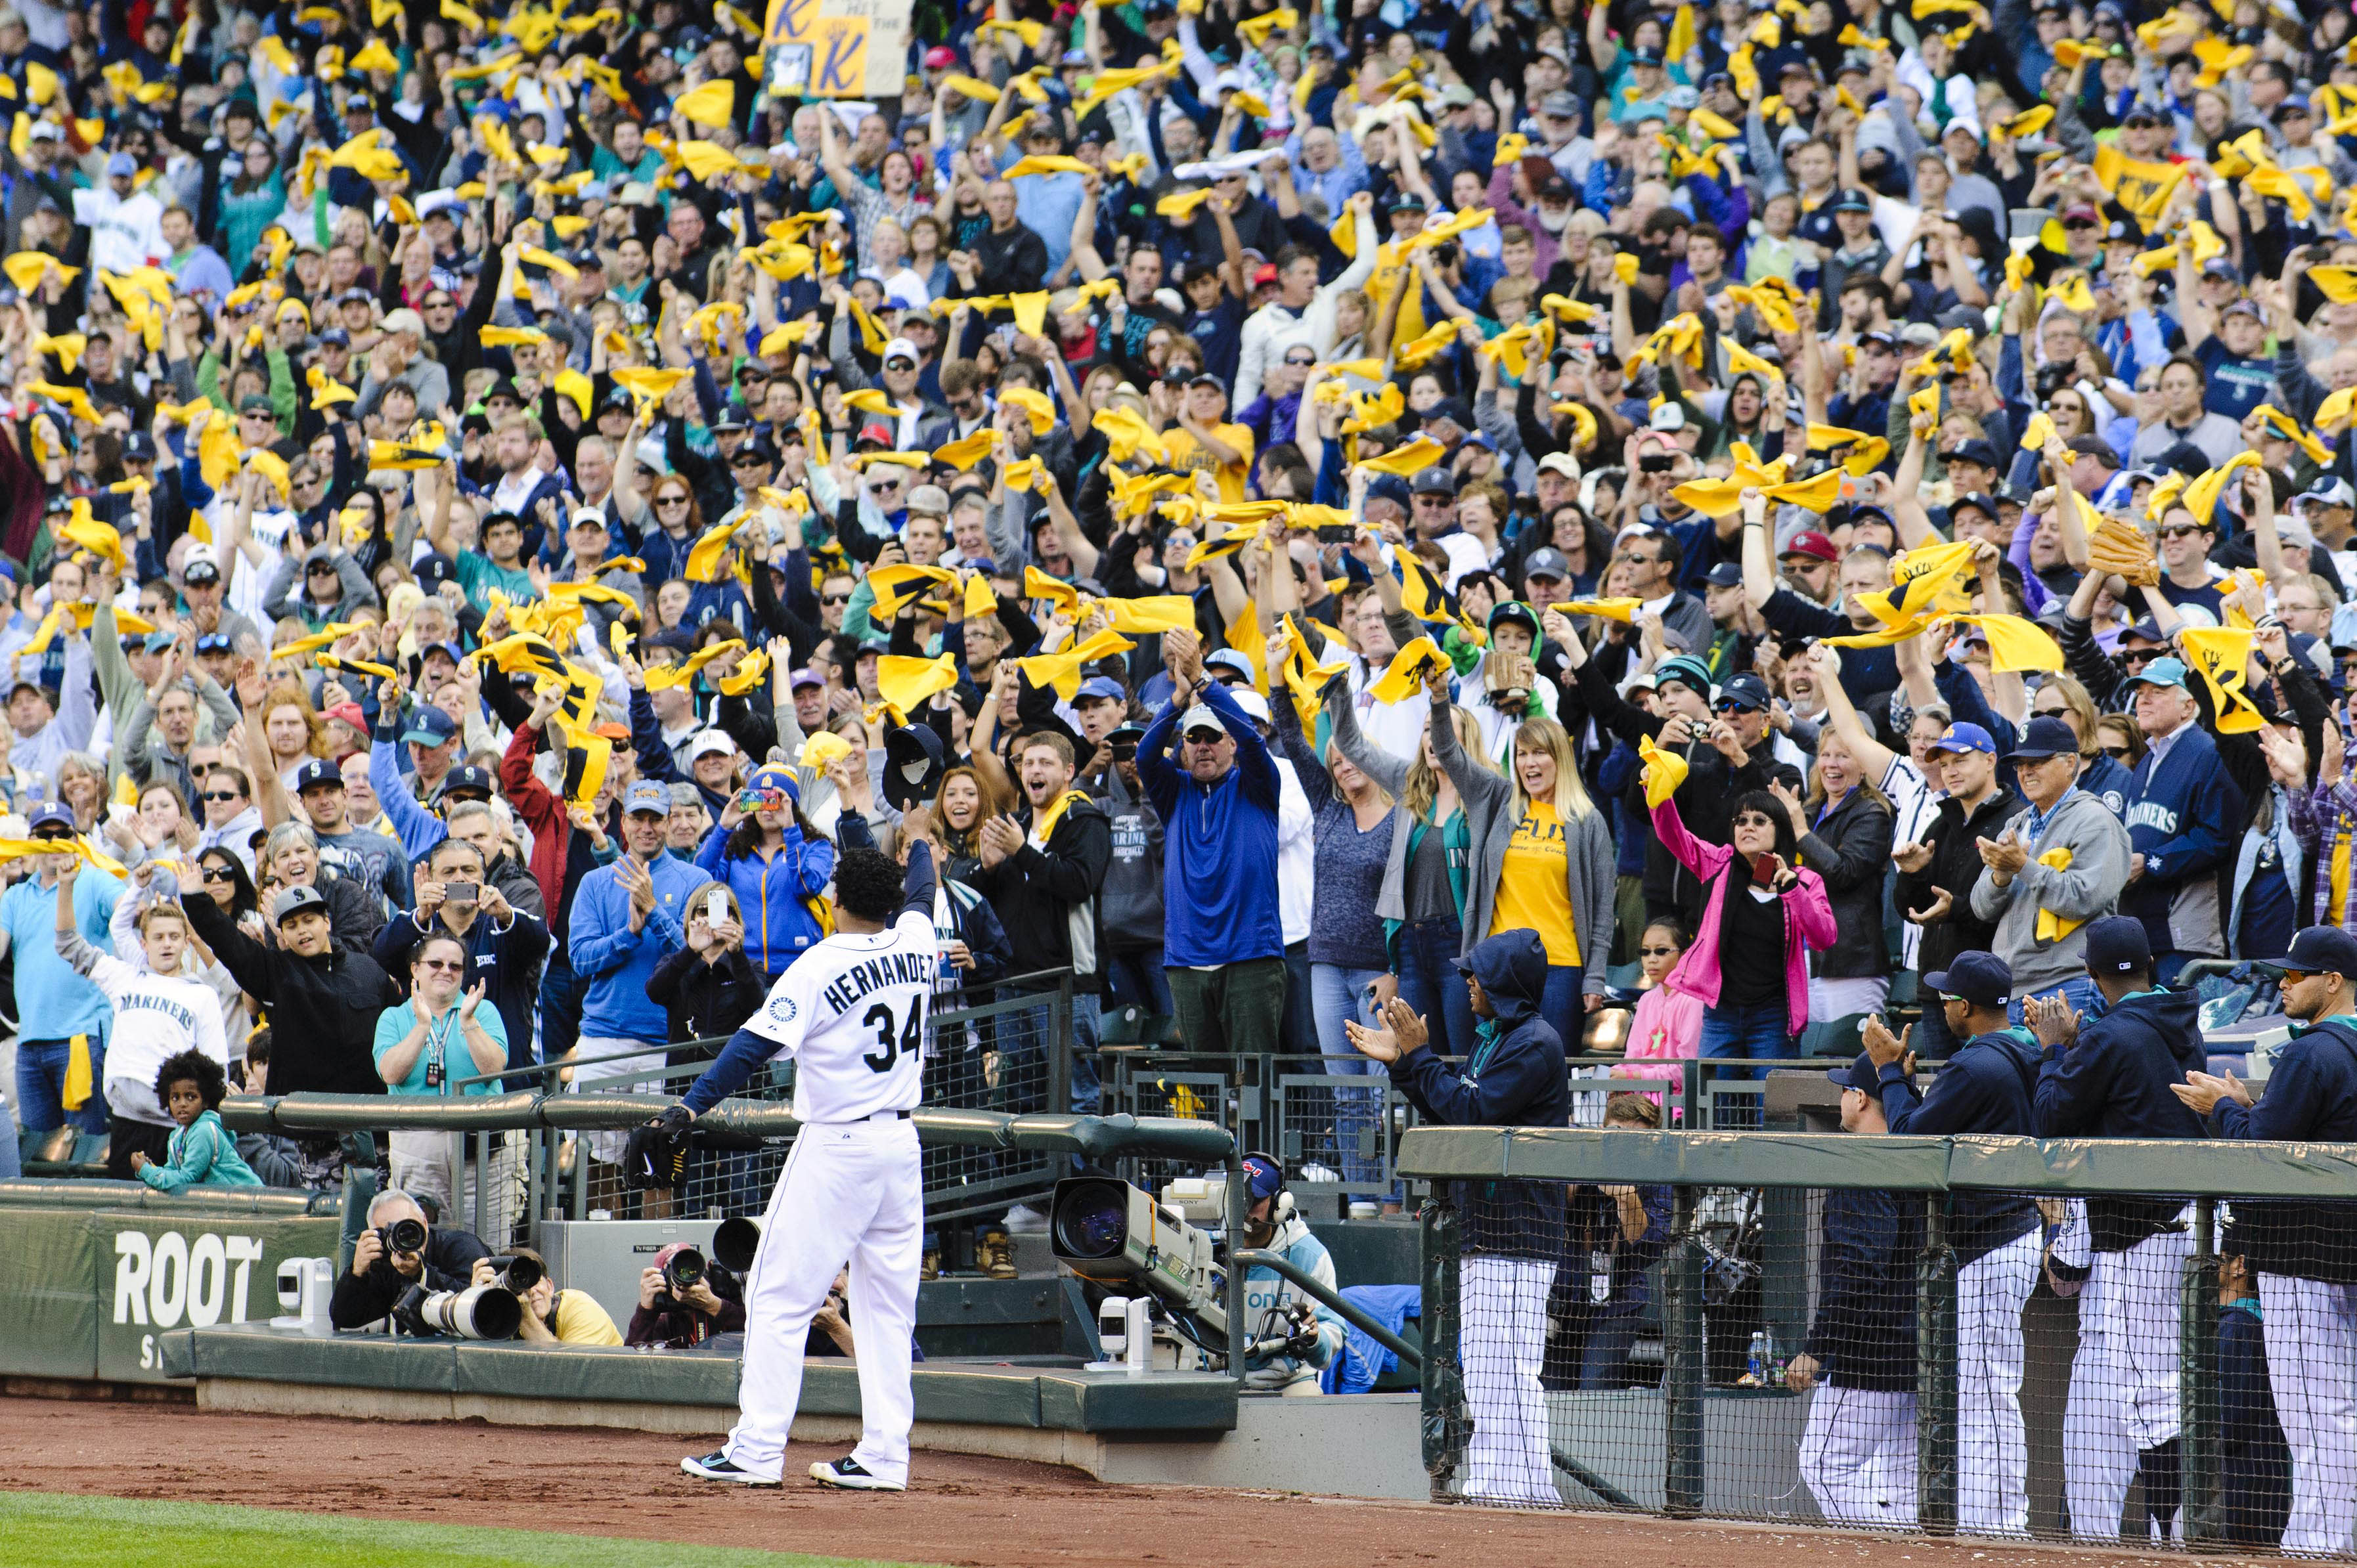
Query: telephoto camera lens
pixel 404 1236
pixel 684 1271
pixel 519 1274
pixel 482 1311
pixel 734 1243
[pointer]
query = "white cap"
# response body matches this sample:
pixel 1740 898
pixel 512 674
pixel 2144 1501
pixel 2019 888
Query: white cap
pixel 405 320
pixel 590 517
pixel 710 743
pixel 1202 715
pixel 1254 706
pixel 899 346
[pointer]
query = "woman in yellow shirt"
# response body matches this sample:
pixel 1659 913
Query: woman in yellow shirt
pixel 1541 858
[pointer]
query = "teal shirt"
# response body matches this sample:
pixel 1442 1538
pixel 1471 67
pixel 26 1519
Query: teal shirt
pixel 392 1026
pixel 477 574
pixel 53 1002
pixel 201 1154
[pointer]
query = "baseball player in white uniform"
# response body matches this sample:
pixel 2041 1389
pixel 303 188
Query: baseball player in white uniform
pixel 851 1012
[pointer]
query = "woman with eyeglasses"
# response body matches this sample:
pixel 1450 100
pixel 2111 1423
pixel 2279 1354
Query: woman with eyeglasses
pixel 1842 831
pixel 442 1033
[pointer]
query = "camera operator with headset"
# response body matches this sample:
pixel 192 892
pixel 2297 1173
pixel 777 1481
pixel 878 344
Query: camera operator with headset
pixel 551 1316
pixel 397 1250
pixel 1272 1305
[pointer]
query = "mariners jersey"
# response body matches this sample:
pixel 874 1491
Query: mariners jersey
pixel 851 1013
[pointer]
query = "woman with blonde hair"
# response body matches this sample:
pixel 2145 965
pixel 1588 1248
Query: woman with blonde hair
pixel 1539 856
pixel 1422 899
pixel 1842 830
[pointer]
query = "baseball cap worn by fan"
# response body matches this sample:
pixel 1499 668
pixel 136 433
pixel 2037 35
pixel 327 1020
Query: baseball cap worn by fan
pixel 430 726
pixel 646 796
pixel 2117 945
pixel 1548 563
pixel 1962 736
pixel 318 773
pixel 1202 715
pixel 2319 950
pixel 296 901
pixel 2047 736
pixel 1813 544
pixel 710 743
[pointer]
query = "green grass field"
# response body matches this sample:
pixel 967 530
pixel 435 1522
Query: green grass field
pixel 44 1529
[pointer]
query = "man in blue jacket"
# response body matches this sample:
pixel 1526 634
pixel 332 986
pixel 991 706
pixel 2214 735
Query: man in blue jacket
pixel 1858 1450
pixel 1513 1230
pixel 1984 1088
pixel 1223 940
pixel 2302 1251
pixel 2113 1076
pixel 2184 818
pixel 625 919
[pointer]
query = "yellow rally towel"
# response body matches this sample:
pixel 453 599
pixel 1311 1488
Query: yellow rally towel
pixel 1045 824
pixel 1622 610
pixel 2037 433
pixel 1406 676
pixel 1415 456
pixel 2015 644
pixel 2052 927
pixel 894 586
pixel 1062 671
pixel 2201 496
pixel 1664 771
pixel 907 682
pixel 74 1093
pixel 2221 655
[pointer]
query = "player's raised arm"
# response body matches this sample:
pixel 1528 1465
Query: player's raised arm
pixel 919 881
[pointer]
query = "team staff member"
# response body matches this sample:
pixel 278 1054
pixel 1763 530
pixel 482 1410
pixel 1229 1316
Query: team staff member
pixel 2114 1077
pixel 1984 1088
pixel 1316 1334
pixel 1858 1450
pixel 1513 1230
pixel 2308 1273
pixel 851 1013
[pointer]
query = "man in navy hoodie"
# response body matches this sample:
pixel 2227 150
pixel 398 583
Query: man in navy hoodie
pixel 1513 1230
pixel 2301 1249
pixel 2184 819
pixel 1858 1450
pixel 1984 1088
pixel 2113 1076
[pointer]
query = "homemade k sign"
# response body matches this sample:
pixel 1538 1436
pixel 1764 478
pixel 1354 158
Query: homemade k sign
pixel 835 49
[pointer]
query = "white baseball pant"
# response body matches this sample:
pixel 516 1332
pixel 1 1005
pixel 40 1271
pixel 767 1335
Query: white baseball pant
pixel 2311 1339
pixel 2123 1397
pixel 1504 1343
pixel 850 1190
pixel 1992 1447
pixel 1857 1455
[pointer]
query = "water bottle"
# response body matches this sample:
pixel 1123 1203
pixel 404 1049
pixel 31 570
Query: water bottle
pixel 1758 1359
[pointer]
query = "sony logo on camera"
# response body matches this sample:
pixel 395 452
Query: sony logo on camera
pixel 164 1278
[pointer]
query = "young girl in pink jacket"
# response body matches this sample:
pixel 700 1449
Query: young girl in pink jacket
pixel 1748 964
pixel 1668 1024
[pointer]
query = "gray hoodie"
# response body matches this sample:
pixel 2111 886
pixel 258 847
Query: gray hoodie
pixel 2088 890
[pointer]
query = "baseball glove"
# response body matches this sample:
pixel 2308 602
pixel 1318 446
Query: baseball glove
pixel 2121 548
pixel 657 1154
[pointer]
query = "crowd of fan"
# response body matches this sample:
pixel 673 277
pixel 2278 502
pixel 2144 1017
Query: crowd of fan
pixel 1274 497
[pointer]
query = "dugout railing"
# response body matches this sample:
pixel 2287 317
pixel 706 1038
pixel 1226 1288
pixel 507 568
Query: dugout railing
pixel 2135 1396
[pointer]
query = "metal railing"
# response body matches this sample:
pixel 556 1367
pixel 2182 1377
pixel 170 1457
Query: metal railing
pixel 1702 1443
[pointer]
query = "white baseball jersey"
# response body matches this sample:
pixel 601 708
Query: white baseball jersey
pixel 851 1013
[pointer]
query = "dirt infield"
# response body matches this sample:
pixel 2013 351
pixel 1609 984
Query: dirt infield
pixel 987 1513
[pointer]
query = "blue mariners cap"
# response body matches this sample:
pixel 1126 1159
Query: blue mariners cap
pixel 1981 978
pixel 2319 950
pixel 2047 736
pixel 1861 1075
pixel 1962 738
pixel 2160 673
pixel 2117 945
pixel 316 773
pixel 430 726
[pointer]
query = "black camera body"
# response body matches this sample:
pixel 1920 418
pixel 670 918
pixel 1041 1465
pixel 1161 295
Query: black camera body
pixel 517 1274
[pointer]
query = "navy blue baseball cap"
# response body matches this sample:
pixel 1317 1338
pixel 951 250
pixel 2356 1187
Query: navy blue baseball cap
pixel 1962 736
pixel 1981 978
pixel 1861 1075
pixel 50 814
pixel 468 781
pixel 430 726
pixel 1747 692
pixel 2047 736
pixel 2117 945
pixel 316 773
pixel 2319 950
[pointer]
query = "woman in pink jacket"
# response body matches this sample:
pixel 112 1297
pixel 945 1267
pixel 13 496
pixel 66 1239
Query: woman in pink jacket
pixel 1749 965
pixel 1668 1024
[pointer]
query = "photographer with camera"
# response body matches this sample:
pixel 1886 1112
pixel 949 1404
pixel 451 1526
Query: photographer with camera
pixel 551 1316
pixel 683 1301
pixel 397 1250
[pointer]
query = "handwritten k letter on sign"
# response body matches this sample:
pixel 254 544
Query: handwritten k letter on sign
pixel 837 48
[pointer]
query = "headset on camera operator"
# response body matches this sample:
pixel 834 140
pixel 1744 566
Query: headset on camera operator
pixel 1274 1306
pixel 551 1316
pixel 397 1250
